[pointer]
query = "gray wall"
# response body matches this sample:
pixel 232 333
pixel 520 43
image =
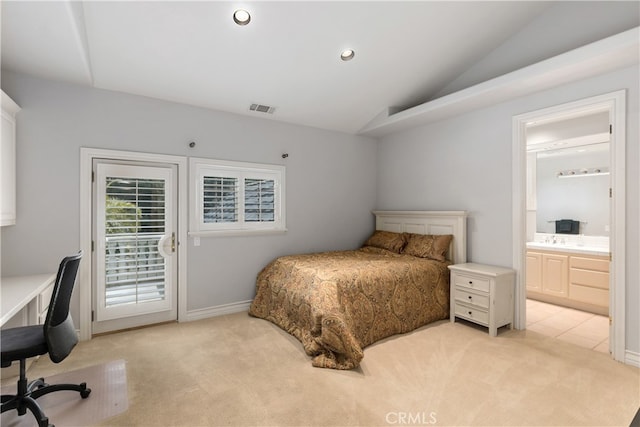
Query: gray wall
pixel 465 162
pixel 330 180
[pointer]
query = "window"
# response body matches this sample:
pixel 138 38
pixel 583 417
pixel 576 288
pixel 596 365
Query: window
pixel 234 197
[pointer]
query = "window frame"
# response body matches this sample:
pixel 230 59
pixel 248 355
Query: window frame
pixel 199 168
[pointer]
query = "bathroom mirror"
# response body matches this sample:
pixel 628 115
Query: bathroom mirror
pixel 573 183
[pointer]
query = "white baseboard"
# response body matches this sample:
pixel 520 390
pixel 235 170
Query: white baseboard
pixel 219 310
pixel 632 358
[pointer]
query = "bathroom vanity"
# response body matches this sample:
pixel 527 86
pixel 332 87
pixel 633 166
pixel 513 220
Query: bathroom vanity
pixel 572 272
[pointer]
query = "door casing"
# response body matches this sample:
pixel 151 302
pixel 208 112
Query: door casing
pixel 615 102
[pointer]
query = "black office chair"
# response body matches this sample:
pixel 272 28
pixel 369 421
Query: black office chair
pixel 57 337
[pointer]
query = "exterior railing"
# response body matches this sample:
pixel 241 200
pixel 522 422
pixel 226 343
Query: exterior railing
pixel 134 268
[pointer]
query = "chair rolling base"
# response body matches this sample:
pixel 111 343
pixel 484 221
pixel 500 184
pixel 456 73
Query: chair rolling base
pixel 28 393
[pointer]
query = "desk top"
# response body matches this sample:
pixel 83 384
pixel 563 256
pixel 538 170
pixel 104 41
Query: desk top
pixel 18 291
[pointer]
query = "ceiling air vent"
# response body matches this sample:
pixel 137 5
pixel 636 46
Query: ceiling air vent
pixel 262 108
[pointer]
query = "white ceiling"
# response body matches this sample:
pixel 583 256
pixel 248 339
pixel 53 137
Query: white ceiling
pixel 583 133
pixel 287 57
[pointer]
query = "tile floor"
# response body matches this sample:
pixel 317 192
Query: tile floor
pixel 574 326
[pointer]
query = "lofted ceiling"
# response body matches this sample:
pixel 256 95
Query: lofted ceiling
pixel 288 57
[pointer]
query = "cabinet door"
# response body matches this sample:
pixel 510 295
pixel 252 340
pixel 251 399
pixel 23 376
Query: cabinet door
pixel 7 171
pixel 555 274
pixel 534 271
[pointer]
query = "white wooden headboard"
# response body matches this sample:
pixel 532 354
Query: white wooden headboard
pixel 429 222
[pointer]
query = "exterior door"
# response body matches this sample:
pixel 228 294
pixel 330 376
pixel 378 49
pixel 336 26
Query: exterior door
pixel 134 241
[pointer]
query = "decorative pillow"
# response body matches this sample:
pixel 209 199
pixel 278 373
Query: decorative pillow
pixel 388 240
pixel 428 246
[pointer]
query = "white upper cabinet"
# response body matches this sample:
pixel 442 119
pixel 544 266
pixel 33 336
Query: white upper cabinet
pixel 8 161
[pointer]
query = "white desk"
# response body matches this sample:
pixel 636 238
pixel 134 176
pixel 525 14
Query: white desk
pixel 21 291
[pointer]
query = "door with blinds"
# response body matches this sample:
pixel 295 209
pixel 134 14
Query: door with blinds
pixel 135 219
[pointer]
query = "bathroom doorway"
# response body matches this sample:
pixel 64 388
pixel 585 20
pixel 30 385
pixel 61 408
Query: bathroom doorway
pixel 563 246
pixel 568 225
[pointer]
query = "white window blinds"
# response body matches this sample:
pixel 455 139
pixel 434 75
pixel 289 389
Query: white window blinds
pixel 234 197
pixel 259 200
pixel 220 199
pixel 134 223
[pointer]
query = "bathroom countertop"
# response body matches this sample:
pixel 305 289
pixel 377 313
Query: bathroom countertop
pixel 569 248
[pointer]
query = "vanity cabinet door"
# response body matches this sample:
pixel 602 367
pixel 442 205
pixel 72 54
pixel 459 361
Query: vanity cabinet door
pixel 555 274
pixel 534 271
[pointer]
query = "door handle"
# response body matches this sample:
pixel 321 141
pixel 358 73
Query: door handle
pixel 161 243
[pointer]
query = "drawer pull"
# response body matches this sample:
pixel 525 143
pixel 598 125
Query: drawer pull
pixel 470 298
pixel 471 282
pixel 470 313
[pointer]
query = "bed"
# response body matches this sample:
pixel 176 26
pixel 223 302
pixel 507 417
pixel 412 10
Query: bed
pixel 337 303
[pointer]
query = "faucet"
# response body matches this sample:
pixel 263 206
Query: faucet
pixel 554 239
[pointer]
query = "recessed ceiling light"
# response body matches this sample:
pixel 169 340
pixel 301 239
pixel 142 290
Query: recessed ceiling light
pixel 241 17
pixel 347 55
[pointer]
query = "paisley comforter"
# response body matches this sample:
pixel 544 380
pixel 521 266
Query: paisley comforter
pixel 337 303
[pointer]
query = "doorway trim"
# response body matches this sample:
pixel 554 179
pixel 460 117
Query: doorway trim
pixel 85 273
pixel 615 102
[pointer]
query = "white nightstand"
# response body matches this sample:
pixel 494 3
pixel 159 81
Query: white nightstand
pixel 482 294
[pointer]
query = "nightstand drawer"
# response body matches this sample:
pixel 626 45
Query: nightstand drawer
pixel 471 298
pixel 471 313
pixel 472 282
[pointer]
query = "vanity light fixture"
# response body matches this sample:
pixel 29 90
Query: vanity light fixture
pixel 241 17
pixel 347 55
pixel 574 173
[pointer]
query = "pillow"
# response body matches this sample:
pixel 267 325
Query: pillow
pixel 388 240
pixel 428 246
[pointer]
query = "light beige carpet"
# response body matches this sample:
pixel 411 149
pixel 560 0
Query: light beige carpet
pixel 235 370
pixel 108 384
